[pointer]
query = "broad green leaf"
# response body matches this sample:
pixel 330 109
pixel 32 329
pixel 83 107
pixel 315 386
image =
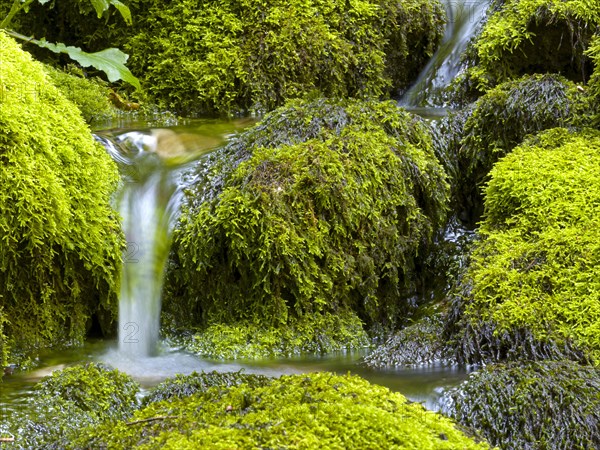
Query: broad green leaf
pixel 100 6
pixel 43 2
pixel 124 10
pixel 111 60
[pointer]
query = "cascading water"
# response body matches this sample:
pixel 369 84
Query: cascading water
pixel 148 203
pixel 464 18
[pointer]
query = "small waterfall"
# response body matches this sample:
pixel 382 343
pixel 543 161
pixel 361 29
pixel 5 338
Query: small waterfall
pixel 464 19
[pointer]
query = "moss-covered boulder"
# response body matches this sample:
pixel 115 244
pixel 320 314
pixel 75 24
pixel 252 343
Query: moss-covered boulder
pixel 310 411
pixel 67 401
pixel 60 254
pixel 324 208
pixel 469 142
pixel 534 36
pixel 549 405
pixel 532 289
pixel 226 56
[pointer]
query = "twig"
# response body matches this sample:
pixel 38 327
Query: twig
pixel 151 419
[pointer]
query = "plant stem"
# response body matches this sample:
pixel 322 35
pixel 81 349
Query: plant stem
pixel 14 9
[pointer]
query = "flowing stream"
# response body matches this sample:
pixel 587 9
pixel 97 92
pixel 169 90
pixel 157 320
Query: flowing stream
pixel 464 18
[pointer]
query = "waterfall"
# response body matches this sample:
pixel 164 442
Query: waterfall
pixel 464 19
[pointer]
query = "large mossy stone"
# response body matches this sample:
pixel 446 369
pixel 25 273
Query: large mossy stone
pixel 545 405
pixel 307 411
pixel 324 208
pixel 60 249
pixel 532 289
pixel 470 141
pixel 535 36
pixel 228 56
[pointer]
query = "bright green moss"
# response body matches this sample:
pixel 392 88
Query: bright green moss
pixel 471 141
pixel 535 36
pixel 91 95
pixel 66 401
pixel 61 242
pixel 549 405
pixel 226 56
pixel 246 340
pixel 324 208
pixel 535 273
pixel 311 411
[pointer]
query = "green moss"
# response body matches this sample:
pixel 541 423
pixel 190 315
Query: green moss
pixel 226 56
pixel 549 405
pixel 534 275
pixel 336 201
pixel 594 53
pixel 91 95
pixel 535 36
pixel 61 251
pixel 68 400
pixel 245 340
pixel 471 141
pixel 185 385
pixel 299 411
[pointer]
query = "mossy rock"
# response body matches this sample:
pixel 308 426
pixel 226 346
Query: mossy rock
pixel 61 253
pixel 69 400
pixel 182 386
pixel 535 36
pixel 91 95
pixel 229 56
pixel 532 288
pixel 469 142
pixel 310 411
pixel 550 405
pixel 325 207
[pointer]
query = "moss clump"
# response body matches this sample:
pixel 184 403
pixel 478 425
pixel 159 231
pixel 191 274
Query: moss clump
pixel 532 287
pixel 323 208
pixel 61 242
pixel 69 400
pixel 470 142
pixel 185 385
pixel 226 56
pixel 535 36
pixel 549 405
pixel 300 411
pixel 246 340
pixel 91 95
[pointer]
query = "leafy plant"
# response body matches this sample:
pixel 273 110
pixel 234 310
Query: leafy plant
pixel 111 61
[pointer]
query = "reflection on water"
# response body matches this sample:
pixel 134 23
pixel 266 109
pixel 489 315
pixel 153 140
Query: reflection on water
pixel 424 385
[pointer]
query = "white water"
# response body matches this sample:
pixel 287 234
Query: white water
pixel 464 18
pixel 148 203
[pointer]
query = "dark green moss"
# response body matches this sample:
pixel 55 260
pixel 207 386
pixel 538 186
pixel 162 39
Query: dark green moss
pixel 61 251
pixel 549 405
pixel 227 56
pixel 310 411
pixel 471 141
pixel 69 400
pixel 185 385
pixel 338 200
pixel 531 290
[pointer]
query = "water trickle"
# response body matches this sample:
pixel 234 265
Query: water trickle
pixel 464 19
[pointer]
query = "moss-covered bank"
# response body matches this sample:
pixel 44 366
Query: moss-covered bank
pixel 324 208
pixel 310 411
pixel 60 253
pixel 532 290
pixel 226 56
pixel 547 405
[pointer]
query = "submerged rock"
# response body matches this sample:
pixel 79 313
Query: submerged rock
pixel 534 405
pixel 324 208
pixel 60 255
pixel 309 411
pixel 532 291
